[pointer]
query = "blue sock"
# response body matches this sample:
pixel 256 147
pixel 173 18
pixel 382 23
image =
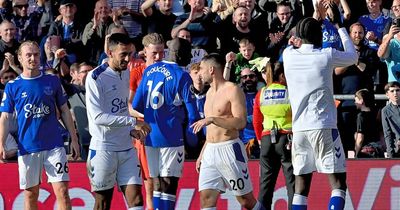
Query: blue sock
pixel 337 200
pixel 167 201
pixel 156 200
pixel 258 206
pixel 299 202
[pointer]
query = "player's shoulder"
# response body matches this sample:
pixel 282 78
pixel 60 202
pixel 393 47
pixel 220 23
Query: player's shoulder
pixel 96 73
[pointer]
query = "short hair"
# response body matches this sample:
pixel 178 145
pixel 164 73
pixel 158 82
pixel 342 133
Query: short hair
pixel 309 31
pixel 391 84
pixel 246 41
pixel 367 96
pixel 74 67
pixel 9 71
pixel 117 38
pixel 357 24
pixel 216 60
pixel 283 4
pixel 152 38
pixel 194 67
pixel 23 44
pixel 183 29
pixel 84 64
pixel 6 22
pixel 113 27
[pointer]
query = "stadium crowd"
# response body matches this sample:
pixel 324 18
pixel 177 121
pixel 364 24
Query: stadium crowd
pixel 251 35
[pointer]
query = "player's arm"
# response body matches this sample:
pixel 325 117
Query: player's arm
pixel 96 107
pixel 5 119
pixel 347 57
pixel 66 117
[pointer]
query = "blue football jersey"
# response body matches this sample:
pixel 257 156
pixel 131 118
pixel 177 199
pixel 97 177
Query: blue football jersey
pixel 248 132
pixel 330 36
pixel 35 101
pixel 376 25
pixel 161 97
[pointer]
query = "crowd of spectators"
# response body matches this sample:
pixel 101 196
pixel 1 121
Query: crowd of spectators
pixel 73 37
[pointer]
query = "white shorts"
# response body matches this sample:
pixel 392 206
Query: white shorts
pixel 53 161
pixel 224 166
pixel 105 168
pixel 165 161
pixel 318 150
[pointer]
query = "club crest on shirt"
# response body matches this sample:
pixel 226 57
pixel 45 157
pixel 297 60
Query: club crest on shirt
pixel 48 90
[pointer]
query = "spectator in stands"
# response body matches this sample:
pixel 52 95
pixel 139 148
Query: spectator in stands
pixel 160 20
pixel 8 42
pixel 231 32
pixel 5 10
pixel 366 135
pixel 200 21
pixel 225 8
pixel 248 83
pixel 259 19
pixel 74 72
pixel 6 76
pixel 94 34
pixel 70 32
pixel 129 15
pixel 279 30
pixel 27 25
pixel 396 14
pixel 391 120
pixel 374 23
pixel 236 62
pixel 389 50
pixel 324 11
pixel 78 108
pixel 184 33
pixel 273 127
pixel 352 78
pixel 270 7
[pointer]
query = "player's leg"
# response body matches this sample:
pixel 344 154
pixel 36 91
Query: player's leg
pixel 129 178
pixel 171 166
pixel 148 181
pixel 339 187
pixel 332 161
pixel 208 199
pixel 61 191
pixel 303 161
pixel 31 197
pixel 269 170
pixel 57 171
pixel 102 172
pixel 30 168
pixel 153 163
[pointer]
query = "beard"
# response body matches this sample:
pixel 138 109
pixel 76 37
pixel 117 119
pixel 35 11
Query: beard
pixel 358 42
pixel 249 86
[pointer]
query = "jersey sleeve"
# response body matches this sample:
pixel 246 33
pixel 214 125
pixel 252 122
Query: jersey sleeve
pixel 60 94
pixel 139 99
pixel 95 107
pixel 191 107
pixel 7 101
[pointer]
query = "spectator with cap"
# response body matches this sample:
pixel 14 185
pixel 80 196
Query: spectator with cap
pixel 70 31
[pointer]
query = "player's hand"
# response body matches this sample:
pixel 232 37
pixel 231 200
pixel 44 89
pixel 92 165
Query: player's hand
pixel 141 130
pixel 3 154
pixel 198 164
pixel 296 42
pixel 75 149
pixel 197 126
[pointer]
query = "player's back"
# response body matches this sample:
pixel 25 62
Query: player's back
pixel 160 97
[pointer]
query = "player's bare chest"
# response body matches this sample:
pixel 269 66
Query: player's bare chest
pixel 217 104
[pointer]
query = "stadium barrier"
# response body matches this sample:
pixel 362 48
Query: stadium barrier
pixel 372 184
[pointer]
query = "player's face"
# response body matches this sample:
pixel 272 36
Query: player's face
pixel 29 57
pixel 120 56
pixel 204 73
pixel 154 53
pixel 393 94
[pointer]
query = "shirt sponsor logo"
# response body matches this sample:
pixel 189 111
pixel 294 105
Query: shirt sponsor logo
pixel 31 110
pixel 119 104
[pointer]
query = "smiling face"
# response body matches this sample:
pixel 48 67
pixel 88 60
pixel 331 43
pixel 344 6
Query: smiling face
pixel 102 9
pixel 119 56
pixel 357 34
pixel 7 31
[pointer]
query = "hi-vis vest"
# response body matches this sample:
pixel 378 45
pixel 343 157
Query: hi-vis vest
pixel 275 106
